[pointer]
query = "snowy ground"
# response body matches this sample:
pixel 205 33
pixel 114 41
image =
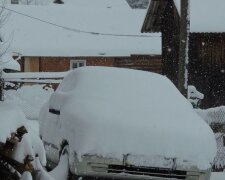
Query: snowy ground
pixel 31 98
pixel 218 176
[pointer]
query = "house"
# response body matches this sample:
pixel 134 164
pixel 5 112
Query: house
pixel 82 33
pixel 206 45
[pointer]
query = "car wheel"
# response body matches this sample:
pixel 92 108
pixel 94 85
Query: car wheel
pixel 63 151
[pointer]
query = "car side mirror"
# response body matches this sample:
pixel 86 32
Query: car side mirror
pixel 54 111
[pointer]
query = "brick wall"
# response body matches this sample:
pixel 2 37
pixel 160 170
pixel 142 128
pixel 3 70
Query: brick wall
pixel 146 63
pixel 141 62
pixel 54 64
pixel 100 61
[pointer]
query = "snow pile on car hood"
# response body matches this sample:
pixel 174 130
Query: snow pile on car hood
pixel 12 118
pixel 111 112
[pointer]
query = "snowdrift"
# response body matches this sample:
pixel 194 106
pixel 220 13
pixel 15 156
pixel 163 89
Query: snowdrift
pixel 12 118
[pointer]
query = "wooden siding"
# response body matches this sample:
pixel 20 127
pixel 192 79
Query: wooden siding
pixel 152 20
pixel 54 64
pixel 206 53
pixel 146 63
pixel 31 64
pixel 170 43
pixel 207 66
pixel 101 61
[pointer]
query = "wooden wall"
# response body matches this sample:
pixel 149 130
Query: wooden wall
pixel 146 63
pixel 206 58
pixel 170 42
pixel 207 66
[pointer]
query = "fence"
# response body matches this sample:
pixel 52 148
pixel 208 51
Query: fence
pixel 29 98
pixel 215 117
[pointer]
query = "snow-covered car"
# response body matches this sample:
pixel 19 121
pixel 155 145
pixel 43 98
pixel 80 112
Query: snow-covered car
pixel 122 123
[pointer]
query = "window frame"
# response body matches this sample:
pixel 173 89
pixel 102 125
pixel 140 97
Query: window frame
pixel 77 62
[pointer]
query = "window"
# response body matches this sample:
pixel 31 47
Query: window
pixel 14 1
pixel 77 63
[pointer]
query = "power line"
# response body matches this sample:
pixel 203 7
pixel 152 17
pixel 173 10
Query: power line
pixel 74 29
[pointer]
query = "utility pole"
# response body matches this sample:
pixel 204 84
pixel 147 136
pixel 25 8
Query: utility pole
pixel 183 48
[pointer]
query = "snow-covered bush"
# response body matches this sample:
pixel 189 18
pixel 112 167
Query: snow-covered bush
pixel 26 176
pixel 26 144
pixel 140 4
pixel 194 96
pixel 30 98
pixel 12 118
pixel 215 117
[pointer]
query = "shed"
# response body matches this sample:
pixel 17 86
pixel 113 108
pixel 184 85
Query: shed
pixel 206 45
pixel 82 32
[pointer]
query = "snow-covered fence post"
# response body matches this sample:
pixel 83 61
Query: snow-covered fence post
pixel 183 49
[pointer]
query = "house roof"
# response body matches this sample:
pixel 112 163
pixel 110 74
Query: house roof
pixel 205 15
pixel 152 20
pixel 73 29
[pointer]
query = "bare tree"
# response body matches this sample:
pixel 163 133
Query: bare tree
pixel 4 44
pixel 4 15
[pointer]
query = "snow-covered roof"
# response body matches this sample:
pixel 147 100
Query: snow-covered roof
pixel 206 15
pixel 130 106
pixel 33 37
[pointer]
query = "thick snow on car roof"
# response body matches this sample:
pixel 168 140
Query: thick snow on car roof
pixel 113 111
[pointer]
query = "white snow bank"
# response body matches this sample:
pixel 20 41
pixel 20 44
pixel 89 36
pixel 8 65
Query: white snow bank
pixel 218 176
pixel 194 96
pixel 213 115
pixel 41 174
pixel 112 111
pixel 194 93
pixel 30 145
pixel 61 171
pixel 219 160
pixel 7 62
pixel 12 118
pixel 26 176
pixel 30 98
pixel 34 75
pixel 33 126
